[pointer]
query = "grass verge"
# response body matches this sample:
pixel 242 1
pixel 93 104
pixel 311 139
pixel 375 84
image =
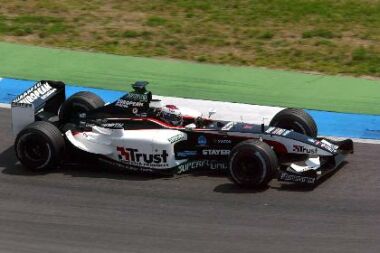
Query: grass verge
pixel 319 35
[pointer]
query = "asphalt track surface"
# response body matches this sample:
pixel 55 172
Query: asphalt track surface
pixel 93 210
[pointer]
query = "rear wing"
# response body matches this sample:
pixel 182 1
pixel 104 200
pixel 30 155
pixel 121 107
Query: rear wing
pixel 43 96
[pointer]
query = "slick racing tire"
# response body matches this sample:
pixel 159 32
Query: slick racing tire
pixel 40 146
pixel 80 102
pixel 252 164
pixel 297 120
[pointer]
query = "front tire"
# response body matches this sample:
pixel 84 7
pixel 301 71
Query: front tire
pixel 297 120
pixel 40 146
pixel 252 164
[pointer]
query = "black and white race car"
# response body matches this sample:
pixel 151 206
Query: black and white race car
pixel 138 133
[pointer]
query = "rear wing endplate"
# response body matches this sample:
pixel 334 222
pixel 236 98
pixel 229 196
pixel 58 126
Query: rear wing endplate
pixel 45 95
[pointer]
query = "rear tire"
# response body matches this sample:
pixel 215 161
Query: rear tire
pixel 297 120
pixel 252 164
pixel 80 102
pixel 40 146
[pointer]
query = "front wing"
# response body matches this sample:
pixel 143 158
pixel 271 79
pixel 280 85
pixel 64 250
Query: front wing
pixel 311 170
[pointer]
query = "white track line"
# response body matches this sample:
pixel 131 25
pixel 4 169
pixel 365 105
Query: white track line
pixel 367 141
pixel 8 106
pixel 239 112
pixel 232 111
pixel 225 110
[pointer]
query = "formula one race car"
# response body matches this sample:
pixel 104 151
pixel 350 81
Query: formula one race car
pixel 138 133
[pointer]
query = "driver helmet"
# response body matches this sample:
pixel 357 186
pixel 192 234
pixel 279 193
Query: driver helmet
pixel 171 115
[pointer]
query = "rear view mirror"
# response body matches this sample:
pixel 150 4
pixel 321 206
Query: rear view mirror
pixel 190 126
pixel 211 112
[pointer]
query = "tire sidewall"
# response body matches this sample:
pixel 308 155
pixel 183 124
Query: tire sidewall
pixel 297 120
pixel 293 120
pixel 85 100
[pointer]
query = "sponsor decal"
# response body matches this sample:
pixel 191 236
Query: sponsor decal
pixel 216 152
pixel 325 144
pixel 124 166
pixel 248 126
pixel 223 141
pixel 296 178
pixel 142 114
pixel 187 153
pixel 192 165
pixel 286 132
pixel 134 157
pixel 228 126
pixel 329 146
pixel 202 140
pixel 278 131
pixel 87 124
pixel 176 138
pixel 213 165
pixel 303 149
pixel 172 107
pixel 40 90
pixel 137 97
pixel 113 125
pixel 126 104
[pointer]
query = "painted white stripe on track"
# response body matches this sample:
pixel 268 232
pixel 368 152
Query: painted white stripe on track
pixel 226 110
pixel 233 112
pixel 367 141
pixel 8 106
pixel 239 112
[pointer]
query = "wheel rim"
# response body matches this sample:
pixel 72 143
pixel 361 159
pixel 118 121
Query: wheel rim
pixel 247 169
pixel 72 111
pixel 78 108
pixel 34 150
